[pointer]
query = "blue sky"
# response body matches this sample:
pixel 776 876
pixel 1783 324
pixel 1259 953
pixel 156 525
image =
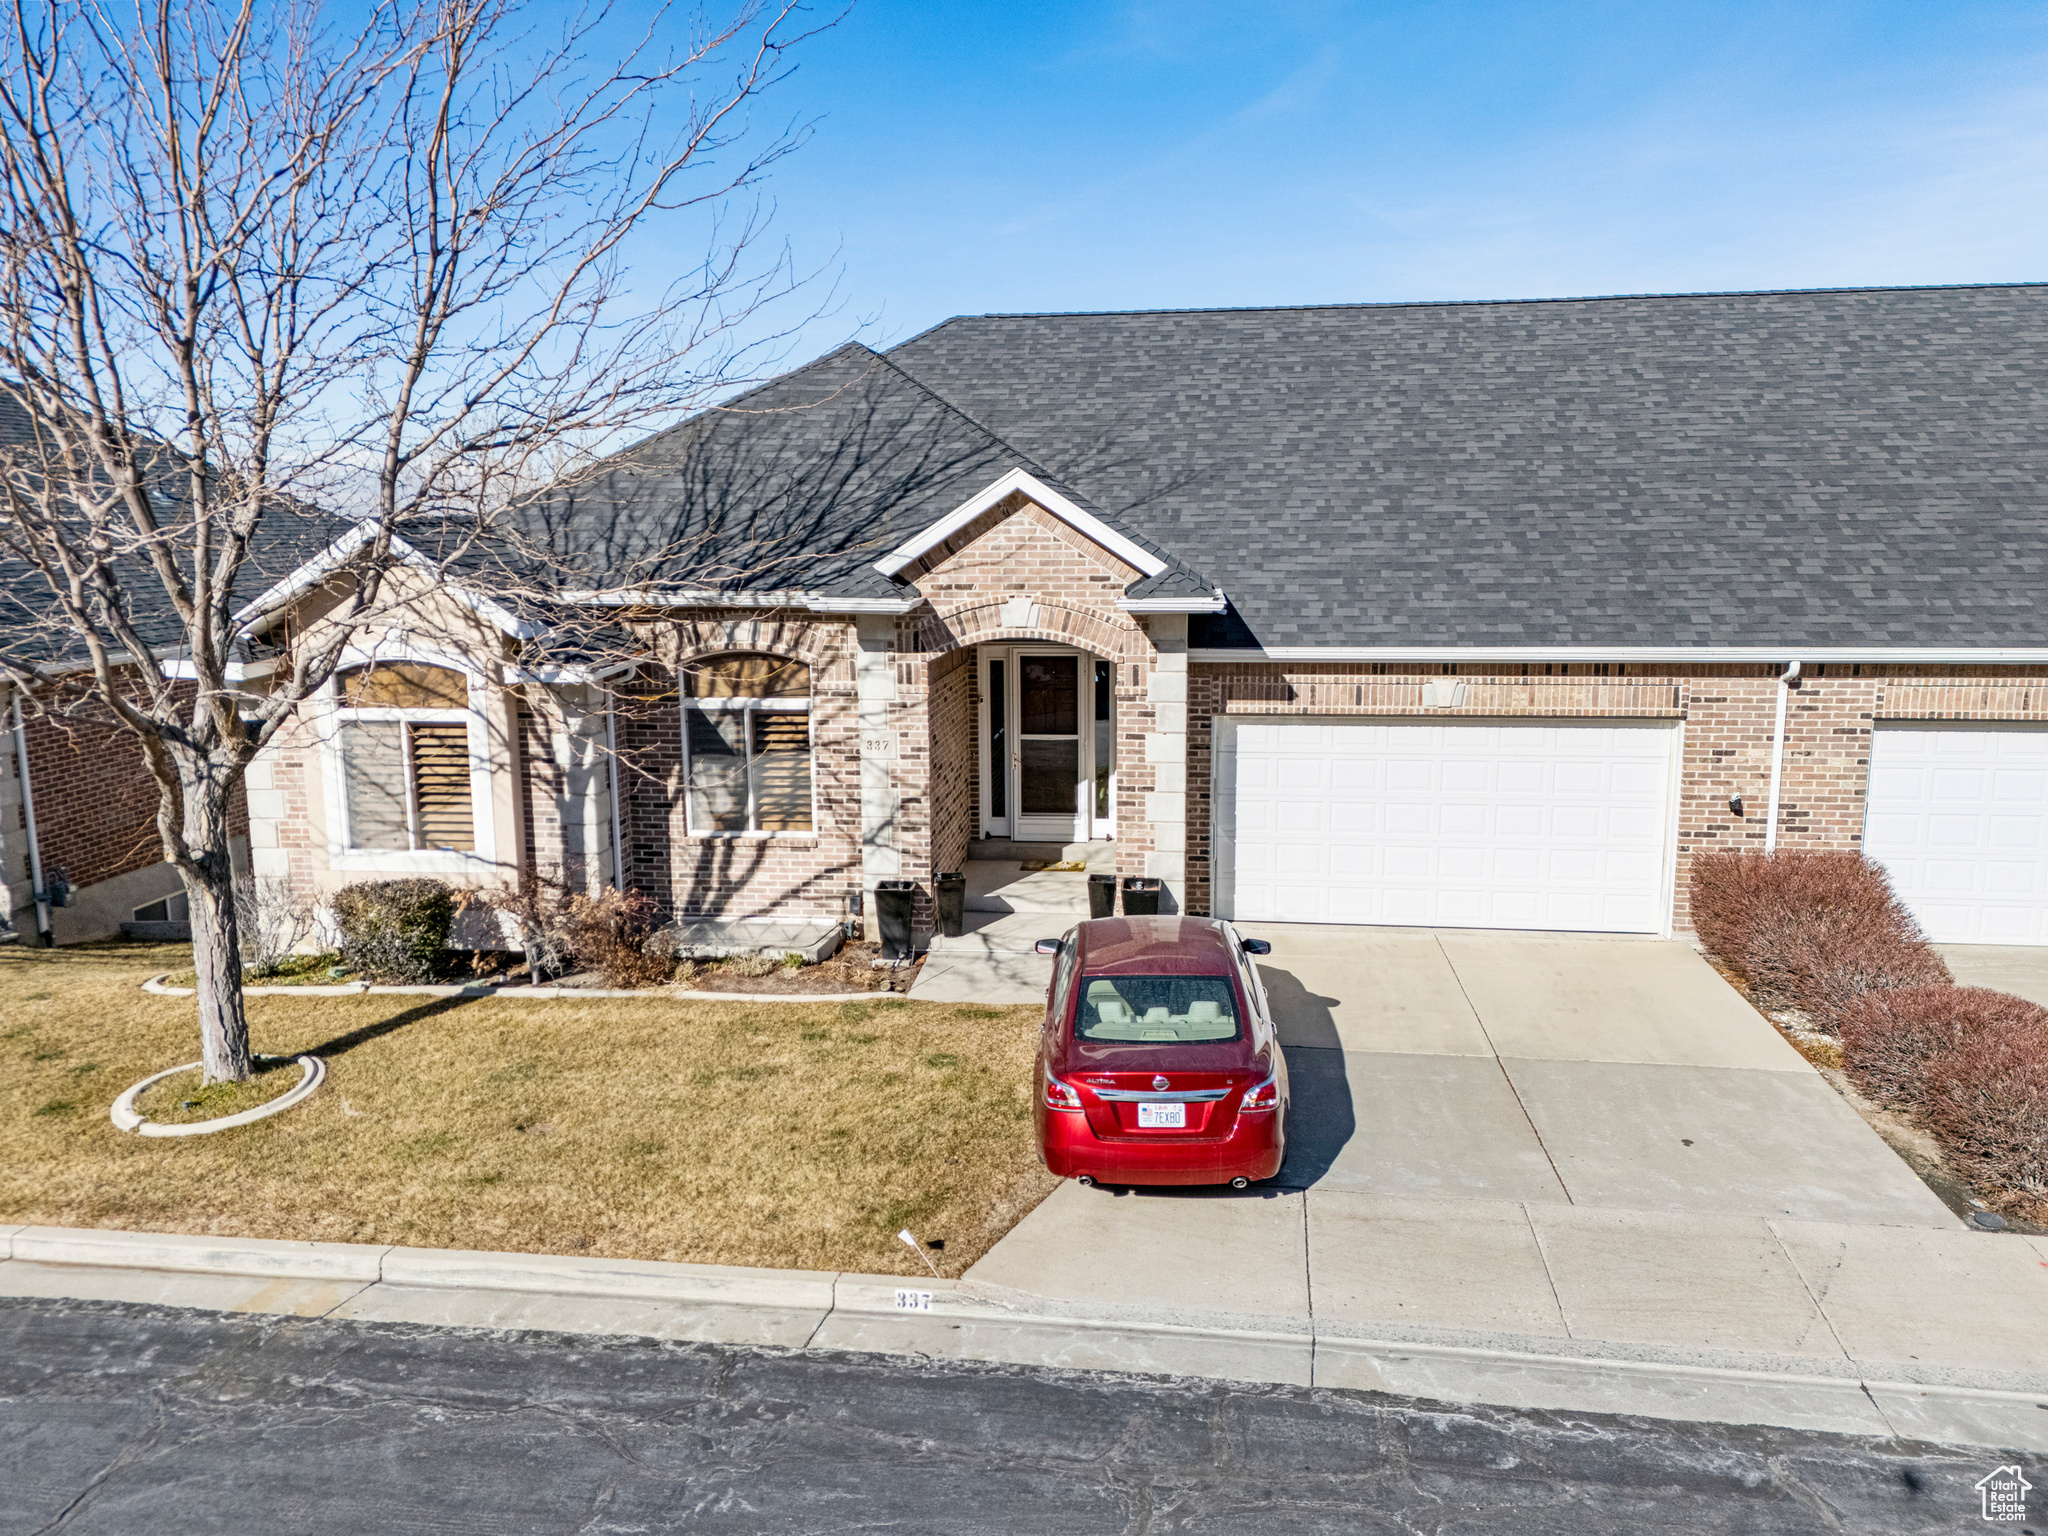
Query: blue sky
pixel 982 157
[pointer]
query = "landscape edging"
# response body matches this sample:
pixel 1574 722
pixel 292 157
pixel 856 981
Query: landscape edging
pixel 126 1118
pixel 155 986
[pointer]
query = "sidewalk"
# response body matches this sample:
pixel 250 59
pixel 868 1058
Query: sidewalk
pixel 1897 1332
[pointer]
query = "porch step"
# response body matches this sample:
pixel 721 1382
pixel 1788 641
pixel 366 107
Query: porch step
pixel 1008 887
pixel 1100 856
pixel 1007 933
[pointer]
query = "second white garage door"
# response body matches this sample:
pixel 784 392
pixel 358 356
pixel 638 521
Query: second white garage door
pixel 1511 825
pixel 1959 818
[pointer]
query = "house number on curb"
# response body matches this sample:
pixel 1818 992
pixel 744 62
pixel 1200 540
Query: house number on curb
pixel 913 1301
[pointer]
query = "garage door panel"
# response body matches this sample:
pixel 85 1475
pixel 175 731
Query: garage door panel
pixel 1580 823
pixel 2014 832
pixel 1302 776
pixel 2003 879
pixel 1462 820
pixel 1949 819
pixel 2016 787
pixel 1537 825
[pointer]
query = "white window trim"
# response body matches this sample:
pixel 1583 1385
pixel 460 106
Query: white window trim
pixel 733 705
pixel 331 715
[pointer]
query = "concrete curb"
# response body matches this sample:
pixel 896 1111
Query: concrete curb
pixel 967 1320
pixel 313 1072
pixel 255 1257
pixel 155 986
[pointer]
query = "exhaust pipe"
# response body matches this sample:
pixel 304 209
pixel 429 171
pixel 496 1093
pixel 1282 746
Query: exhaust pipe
pixel 1086 1180
pixel 1240 1182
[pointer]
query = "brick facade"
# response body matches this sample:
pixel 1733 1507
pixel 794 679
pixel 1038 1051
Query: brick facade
pixel 1728 717
pixel 896 740
pixel 96 809
pixel 1019 574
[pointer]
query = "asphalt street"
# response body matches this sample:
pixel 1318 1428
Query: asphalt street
pixel 129 1419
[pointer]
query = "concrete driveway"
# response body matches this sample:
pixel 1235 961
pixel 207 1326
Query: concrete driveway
pixel 2019 969
pixel 1535 1137
pixel 1593 1071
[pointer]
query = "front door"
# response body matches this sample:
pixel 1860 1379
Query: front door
pixel 1046 752
pixel 1050 773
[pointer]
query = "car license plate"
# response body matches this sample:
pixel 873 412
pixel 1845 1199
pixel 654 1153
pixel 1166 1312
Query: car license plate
pixel 1162 1117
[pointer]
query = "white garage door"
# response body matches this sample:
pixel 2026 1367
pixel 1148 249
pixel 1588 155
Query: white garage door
pixel 1958 817
pixel 1538 825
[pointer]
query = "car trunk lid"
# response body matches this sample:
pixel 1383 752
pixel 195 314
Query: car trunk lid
pixel 1146 1104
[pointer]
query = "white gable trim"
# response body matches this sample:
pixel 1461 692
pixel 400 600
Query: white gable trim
pixel 1215 602
pixel 1059 506
pixel 330 559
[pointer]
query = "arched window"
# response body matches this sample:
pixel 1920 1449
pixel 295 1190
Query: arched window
pixel 747 743
pixel 405 757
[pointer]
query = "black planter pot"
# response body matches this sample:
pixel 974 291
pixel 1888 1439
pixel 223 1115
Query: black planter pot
pixel 952 889
pixel 892 913
pixel 1141 896
pixel 1102 895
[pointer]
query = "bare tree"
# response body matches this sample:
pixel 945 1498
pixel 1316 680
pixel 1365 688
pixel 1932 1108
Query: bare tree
pixel 260 265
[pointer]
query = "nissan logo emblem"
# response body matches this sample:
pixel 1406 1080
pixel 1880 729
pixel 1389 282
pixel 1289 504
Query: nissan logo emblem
pixel 1161 1084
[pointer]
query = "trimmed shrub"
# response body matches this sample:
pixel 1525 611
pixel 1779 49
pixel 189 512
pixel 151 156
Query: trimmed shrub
pixel 1811 931
pixel 394 930
pixel 1891 1040
pixel 1986 1101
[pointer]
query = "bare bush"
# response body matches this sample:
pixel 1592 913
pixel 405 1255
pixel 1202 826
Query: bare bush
pixel 1811 931
pixel 608 934
pixel 272 921
pixel 1891 1040
pixel 1986 1101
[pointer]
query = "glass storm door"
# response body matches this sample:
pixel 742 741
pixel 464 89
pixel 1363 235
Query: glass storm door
pixel 1048 745
pixel 1051 769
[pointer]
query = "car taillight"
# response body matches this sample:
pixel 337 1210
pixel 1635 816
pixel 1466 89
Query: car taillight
pixel 1264 1095
pixel 1059 1095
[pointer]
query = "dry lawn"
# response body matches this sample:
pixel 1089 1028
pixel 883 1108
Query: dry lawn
pixel 790 1135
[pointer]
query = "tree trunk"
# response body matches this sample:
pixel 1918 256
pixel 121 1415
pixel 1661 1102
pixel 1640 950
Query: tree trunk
pixel 216 947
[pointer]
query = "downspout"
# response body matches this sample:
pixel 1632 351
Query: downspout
pixel 35 849
pixel 611 747
pixel 1785 682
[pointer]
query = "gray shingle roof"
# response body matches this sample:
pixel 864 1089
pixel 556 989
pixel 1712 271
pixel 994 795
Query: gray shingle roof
pixel 799 485
pixel 1842 468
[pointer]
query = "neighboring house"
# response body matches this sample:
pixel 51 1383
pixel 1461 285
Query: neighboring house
pixel 75 796
pixel 94 825
pixel 1446 614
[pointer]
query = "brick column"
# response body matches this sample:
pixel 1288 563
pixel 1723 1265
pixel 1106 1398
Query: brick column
pixel 881 804
pixel 1166 753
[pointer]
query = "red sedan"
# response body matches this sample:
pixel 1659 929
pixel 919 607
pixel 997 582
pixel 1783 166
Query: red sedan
pixel 1158 1063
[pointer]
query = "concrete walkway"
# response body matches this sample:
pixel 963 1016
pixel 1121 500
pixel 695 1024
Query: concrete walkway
pixel 1785 1318
pixel 1009 909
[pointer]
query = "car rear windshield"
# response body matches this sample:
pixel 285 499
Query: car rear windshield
pixel 1162 1009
